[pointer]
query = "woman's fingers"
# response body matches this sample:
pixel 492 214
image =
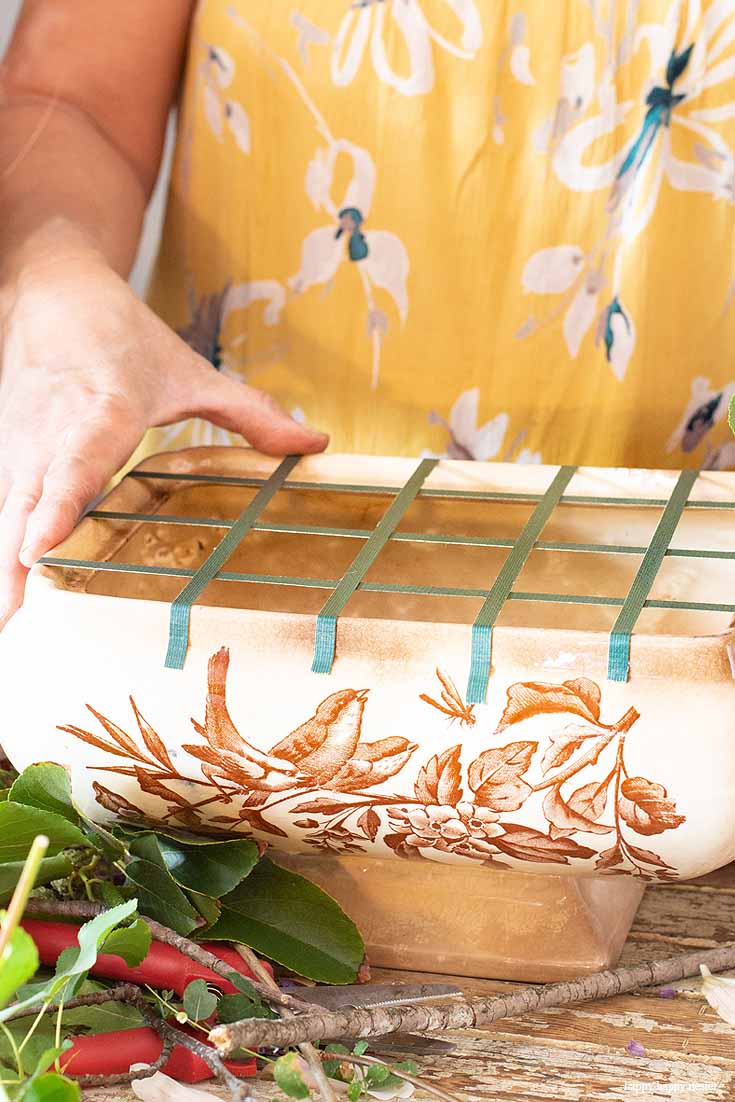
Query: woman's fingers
pixel 93 454
pixel 20 502
pixel 240 408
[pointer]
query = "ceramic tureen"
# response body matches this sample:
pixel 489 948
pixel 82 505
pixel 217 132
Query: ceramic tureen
pixel 510 686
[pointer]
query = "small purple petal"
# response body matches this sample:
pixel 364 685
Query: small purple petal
pixel 635 1048
pixel 668 993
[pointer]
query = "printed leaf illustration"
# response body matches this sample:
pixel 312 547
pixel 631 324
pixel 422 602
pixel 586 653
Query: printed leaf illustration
pixel 562 744
pixel 565 820
pixel 369 824
pixel 609 857
pixel 439 781
pixel 526 844
pixel 155 787
pixel 372 763
pixel 322 745
pixel 151 738
pixel 579 697
pixel 647 856
pixel 495 776
pixel 118 805
pixel 324 805
pixel 646 807
pixel 591 799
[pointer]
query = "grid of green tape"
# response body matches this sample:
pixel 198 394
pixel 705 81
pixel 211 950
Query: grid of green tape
pixel 493 599
pixel 618 658
pixel 180 615
pixel 326 622
pixel 482 629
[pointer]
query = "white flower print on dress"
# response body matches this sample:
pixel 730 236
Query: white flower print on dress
pixel 216 74
pixel 368 23
pixel 380 256
pixel 468 440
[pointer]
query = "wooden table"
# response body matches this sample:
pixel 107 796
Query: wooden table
pixel 578 1054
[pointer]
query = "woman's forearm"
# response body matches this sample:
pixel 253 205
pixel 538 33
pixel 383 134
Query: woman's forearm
pixel 65 190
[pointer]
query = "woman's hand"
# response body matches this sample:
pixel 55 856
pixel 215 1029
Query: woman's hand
pixel 86 369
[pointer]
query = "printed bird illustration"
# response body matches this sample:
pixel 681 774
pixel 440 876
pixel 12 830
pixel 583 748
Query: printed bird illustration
pixel 322 745
pixel 323 752
pixel 234 758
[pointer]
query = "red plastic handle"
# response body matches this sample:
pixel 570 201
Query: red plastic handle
pixel 115 1053
pixel 164 967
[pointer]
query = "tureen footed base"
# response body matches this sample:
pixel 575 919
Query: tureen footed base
pixel 487 923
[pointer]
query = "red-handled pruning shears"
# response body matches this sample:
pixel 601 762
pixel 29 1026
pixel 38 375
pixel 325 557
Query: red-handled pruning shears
pixel 164 967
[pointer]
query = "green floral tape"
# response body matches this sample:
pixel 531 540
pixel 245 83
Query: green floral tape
pixel 180 614
pixel 618 657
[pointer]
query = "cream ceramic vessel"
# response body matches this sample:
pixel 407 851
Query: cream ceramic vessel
pixel 382 765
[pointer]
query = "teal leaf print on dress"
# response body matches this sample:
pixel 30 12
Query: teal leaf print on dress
pixel 660 102
pixel 350 220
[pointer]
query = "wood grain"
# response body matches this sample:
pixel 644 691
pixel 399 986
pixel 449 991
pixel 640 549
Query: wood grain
pixel 578 1054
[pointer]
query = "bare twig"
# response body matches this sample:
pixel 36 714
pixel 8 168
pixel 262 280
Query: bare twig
pixel 75 908
pixel 306 1049
pixel 123 993
pixel 240 1089
pixel 464 1013
pixel 430 1088
pixel 127 1077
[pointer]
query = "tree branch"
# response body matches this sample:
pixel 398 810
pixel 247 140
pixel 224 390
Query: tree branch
pixel 324 1025
pixel 306 1049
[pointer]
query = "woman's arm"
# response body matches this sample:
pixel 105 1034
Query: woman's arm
pixel 86 368
pixel 85 92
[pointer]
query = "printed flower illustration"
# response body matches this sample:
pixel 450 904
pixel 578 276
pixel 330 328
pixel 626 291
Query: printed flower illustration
pixel 216 74
pixel 468 440
pixel 379 255
pixel 670 114
pixel 371 25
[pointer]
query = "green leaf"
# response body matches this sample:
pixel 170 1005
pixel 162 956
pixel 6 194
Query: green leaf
pixel 731 414
pixel 45 786
pixel 18 963
pixel 90 937
pixel 361 1048
pixel 159 896
pixel 287 1074
pixel 130 942
pixel 199 1002
pixel 208 908
pixel 286 918
pixel 50 1088
pixel 49 1056
pixel 20 824
pixel 376 1074
pixel 354 1090
pixel 51 868
pixel 233 1008
pixel 215 869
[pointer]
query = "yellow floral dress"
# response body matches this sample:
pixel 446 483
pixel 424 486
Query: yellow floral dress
pixel 490 229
